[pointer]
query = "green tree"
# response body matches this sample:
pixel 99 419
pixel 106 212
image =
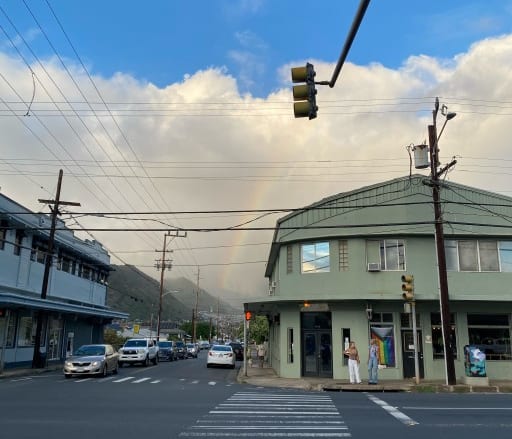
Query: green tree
pixel 110 336
pixel 202 328
pixel 258 329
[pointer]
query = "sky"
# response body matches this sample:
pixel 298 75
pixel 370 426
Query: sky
pixel 169 114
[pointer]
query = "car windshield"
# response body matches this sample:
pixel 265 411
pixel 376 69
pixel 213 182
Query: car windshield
pixel 164 344
pixel 90 350
pixel 221 348
pixel 135 344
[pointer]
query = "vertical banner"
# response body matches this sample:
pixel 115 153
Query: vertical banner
pixel 386 343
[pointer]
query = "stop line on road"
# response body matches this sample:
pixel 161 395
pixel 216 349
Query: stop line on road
pixel 271 414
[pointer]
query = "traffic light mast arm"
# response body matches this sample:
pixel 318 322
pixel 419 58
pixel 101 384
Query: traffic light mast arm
pixel 363 5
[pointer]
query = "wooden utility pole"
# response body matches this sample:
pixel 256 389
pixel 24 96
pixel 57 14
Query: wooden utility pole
pixel 37 359
pixel 439 237
pixel 162 265
pixel 194 314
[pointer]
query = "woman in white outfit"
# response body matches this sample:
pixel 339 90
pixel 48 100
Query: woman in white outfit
pixel 353 363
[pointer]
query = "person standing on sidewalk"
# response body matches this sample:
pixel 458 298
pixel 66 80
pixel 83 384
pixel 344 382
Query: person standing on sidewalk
pixel 353 363
pixel 373 362
pixel 261 353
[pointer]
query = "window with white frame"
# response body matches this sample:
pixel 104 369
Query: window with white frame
pixel 505 254
pixel 478 255
pixel 392 254
pixel 315 258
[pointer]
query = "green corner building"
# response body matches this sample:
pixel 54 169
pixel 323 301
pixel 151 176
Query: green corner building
pixel 335 270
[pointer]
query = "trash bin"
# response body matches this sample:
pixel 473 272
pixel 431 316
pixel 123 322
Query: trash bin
pixel 474 361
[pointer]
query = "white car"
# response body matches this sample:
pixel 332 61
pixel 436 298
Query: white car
pixel 221 355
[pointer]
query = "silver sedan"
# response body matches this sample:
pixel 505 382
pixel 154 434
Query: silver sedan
pixel 92 359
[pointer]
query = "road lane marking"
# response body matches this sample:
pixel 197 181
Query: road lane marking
pixel 393 411
pixel 457 408
pixel 141 380
pixel 212 383
pixel 123 379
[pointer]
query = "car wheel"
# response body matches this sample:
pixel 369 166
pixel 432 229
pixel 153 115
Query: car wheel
pixel 116 369
pixel 146 361
pixel 120 364
pixel 155 361
pixel 104 371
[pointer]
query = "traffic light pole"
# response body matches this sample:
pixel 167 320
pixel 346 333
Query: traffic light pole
pixel 415 335
pixel 441 257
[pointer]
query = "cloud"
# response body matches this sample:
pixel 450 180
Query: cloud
pixel 208 146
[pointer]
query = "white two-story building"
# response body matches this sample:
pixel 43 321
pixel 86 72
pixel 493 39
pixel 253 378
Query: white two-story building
pixel 75 307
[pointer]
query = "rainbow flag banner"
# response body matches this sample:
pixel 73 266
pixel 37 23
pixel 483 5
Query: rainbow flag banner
pixel 386 341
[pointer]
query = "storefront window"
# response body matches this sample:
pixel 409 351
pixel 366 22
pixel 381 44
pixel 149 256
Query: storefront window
pixel 27 332
pixel 290 345
pixel 437 335
pixel 491 334
pixel 384 334
pixel 8 324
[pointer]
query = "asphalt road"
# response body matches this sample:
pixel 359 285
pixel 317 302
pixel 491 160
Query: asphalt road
pixel 184 399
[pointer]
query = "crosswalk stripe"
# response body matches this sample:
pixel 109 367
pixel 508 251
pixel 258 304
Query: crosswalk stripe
pixel 141 380
pixel 123 379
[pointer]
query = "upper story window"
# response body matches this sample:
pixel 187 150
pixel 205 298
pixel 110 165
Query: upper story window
pixel 392 254
pixel 343 253
pixel 3 233
pixel 315 258
pixel 39 251
pixel 18 240
pixel 289 259
pixel 478 255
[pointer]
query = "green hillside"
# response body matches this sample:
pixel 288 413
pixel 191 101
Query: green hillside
pixel 134 292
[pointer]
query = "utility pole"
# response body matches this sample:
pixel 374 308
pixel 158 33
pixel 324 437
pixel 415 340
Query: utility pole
pixel 194 314
pixel 37 359
pixel 439 237
pixel 162 265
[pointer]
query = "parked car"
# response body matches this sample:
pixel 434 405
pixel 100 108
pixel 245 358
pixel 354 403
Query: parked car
pixel 138 350
pixel 166 351
pixel 204 345
pixel 221 355
pixel 181 349
pixel 238 350
pixel 93 359
pixel 192 350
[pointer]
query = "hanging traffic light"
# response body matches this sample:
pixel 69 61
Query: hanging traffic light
pixel 408 287
pixel 304 95
pixel 248 315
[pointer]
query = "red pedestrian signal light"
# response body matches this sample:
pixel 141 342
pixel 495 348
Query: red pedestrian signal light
pixel 248 315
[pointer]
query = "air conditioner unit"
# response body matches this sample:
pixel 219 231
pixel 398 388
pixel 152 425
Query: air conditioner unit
pixel 373 266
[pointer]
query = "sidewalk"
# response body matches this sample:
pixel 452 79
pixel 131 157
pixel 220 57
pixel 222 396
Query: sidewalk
pixel 267 377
